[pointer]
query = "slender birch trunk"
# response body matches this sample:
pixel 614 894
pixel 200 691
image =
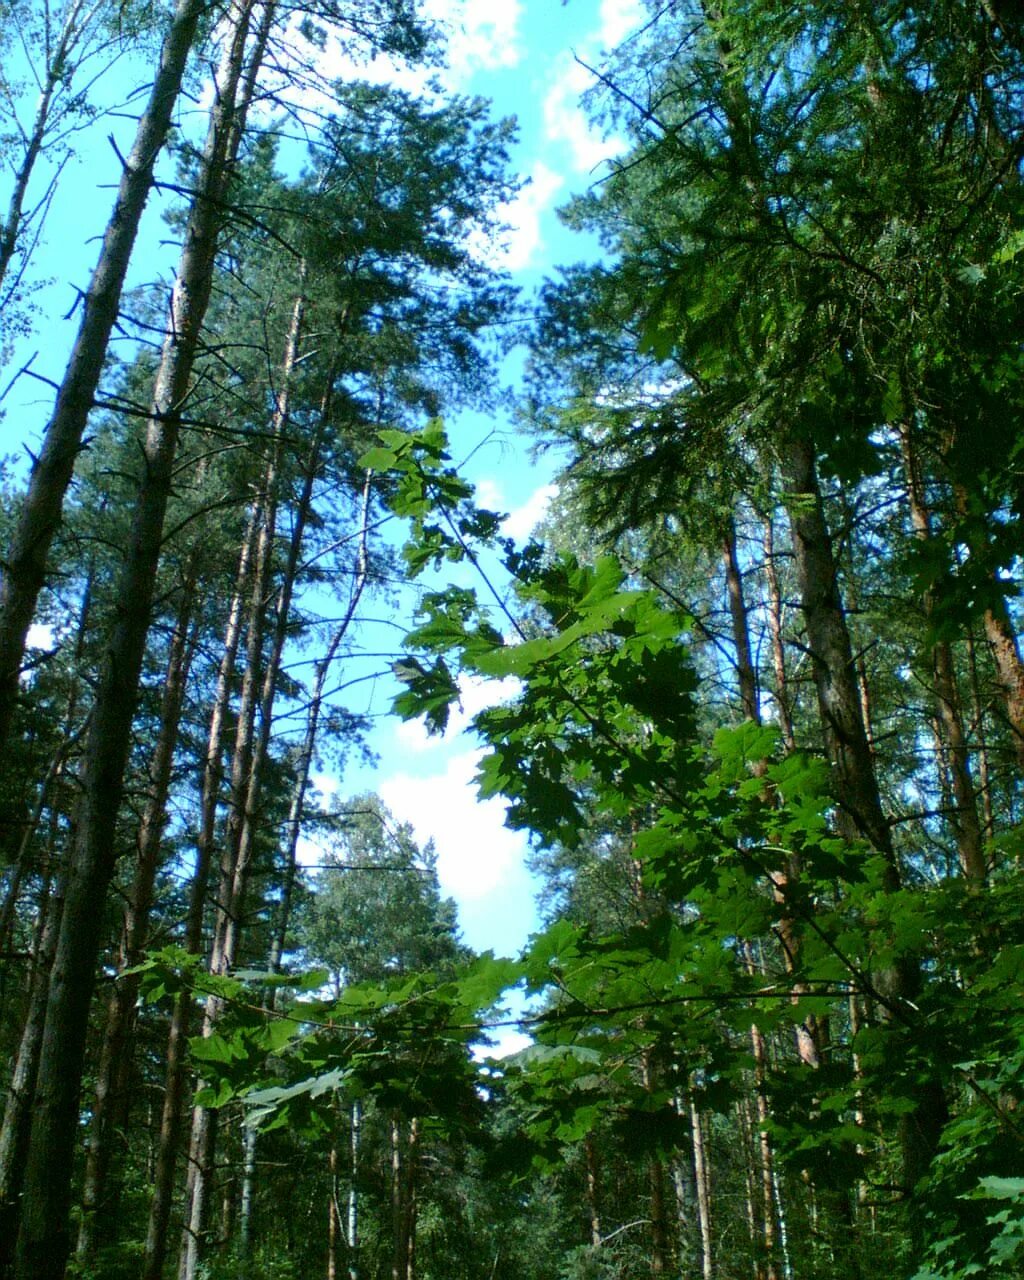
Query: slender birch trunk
pixel 702 1182
pixel 593 1185
pixel 355 1172
pixel 783 702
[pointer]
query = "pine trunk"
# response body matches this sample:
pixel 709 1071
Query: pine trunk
pixel 177 1071
pixel 100 1193
pixel 40 516
pixel 44 1240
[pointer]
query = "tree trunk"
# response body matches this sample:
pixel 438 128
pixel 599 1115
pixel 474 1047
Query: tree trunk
pixel 702 1181
pixel 831 655
pixel 17 1121
pixel 333 1215
pixel 100 1196
pixel 1010 673
pixel 245 1204
pixel 176 1072
pixel 783 703
pixel 352 1224
pixel 40 517
pixel 399 1241
pixel 984 768
pixel 56 70
pixel 740 628
pixel 247 763
pixel 593 1183
pixel 855 783
pixel 44 1240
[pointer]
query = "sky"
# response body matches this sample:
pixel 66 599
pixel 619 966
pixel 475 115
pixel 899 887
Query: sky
pixel 526 56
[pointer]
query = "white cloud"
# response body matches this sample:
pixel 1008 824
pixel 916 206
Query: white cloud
pixel 309 853
pixel 517 246
pixel 481 37
pixel 477 855
pixel 476 38
pixel 618 19
pixel 566 122
pixel 326 783
pixel 489 494
pixel 522 521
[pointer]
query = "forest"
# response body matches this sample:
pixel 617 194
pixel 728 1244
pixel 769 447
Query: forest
pixel 759 689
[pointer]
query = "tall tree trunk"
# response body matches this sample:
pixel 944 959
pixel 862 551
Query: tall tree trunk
pixel 1010 673
pixel 355 1172
pixel 177 1071
pixel 100 1194
pixel 783 702
pixel 746 674
pixel 44 1239
pixel 259 687
pixel 702 1181
pixel 333 1215
pixel 399 1240
pixel 17 1122
pixel 978 712
pixel 855 782
pixel 593 1184
pixel 831 655
pixel 40 516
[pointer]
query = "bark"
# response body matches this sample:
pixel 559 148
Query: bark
pixel 831 655
pixel 259 686
pixel 855 782
pixel 352 1224
pixel 333 1216
pixel 1009 672
pixel 40 516
pixel 764 1155
pixel 593 1183
pixel 702 1181
pixel 44 1240
pixel 984 767
pixel 966 824
pixel 176 1073
pixel 783 703
pixel 740 628
pixel 17 1122
pixel 100 1193
pixel 399 1240
pixel 245 1205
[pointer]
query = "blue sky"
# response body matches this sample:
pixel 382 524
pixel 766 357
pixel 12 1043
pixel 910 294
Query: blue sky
pixel 520 55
